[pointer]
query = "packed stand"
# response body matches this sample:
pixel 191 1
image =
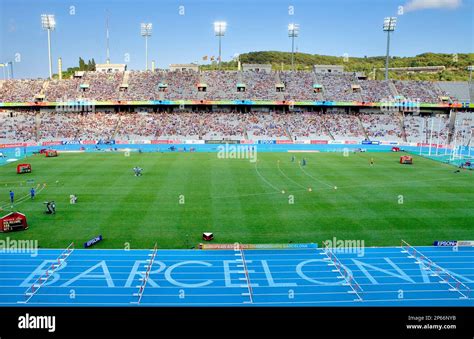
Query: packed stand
pixel 382 126
pixel 375 90
pixel 260 85
pixel 17 126
pixel 343 126
pixel 143 86
pixel 338 87
pixel 221 85
pixel 182 85
pixel 20 90
pixel 78 126
pixel 307 126
pixel 299 86
pixel 102 86
pixel 424 91
pixel 63 90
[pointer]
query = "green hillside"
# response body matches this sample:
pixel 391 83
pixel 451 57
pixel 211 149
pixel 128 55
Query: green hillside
pixel 455 64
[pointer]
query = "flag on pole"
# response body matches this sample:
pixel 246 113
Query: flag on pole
pixel 204 58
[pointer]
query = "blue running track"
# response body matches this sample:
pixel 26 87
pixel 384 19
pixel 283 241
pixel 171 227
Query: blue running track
pixel 386 276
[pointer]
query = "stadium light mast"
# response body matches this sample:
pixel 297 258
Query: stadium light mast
pixel 219 30
pixel 389 24
pixel 107 47
pixel 48 23
pixel 3 66
pixel 293 31
pixel 145 31
pixel 7 70
pixel 11 68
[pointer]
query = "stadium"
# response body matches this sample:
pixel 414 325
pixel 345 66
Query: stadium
pixel 235 184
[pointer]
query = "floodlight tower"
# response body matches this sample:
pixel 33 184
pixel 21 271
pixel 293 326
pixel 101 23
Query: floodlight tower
pixel 219 30
pixel 49 23
pixel 7 71
pixel 11 68
pixel 145 31
pixel 293 31
pixel 389 24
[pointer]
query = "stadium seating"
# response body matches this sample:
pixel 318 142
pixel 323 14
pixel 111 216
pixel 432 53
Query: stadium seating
pixel 222 85
pixel 424 91
pixel 17 126
pixel 458 90
pixel 20 90
pixel 335 124
pixel 338 87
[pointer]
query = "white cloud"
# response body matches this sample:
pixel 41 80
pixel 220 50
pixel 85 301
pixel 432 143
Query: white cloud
pixel 415 5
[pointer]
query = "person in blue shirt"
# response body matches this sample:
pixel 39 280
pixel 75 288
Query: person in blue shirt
pixel 12 197
pixel 32 193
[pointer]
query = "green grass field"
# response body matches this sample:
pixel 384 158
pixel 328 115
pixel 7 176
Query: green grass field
pixel 241 201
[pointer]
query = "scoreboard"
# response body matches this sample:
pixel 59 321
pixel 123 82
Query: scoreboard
pixel 14 221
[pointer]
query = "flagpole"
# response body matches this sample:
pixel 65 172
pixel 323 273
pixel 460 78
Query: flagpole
pixel 455 139
pixel 421 135
pixel 469 145
pixel 446 145
pixel 431 135
pixel 439 130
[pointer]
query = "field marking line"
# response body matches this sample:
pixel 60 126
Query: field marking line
pixel 13 182
pixel 190 275
pixel 263 293
pixel 278 165
pixel 22 199
pixel 397 183
pixel 309 175
pixel 265 180
pixel 247 195
pixel 388 302
pixel 293 279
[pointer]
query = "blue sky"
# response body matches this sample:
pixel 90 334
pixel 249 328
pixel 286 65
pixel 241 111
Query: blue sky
pixel 326 27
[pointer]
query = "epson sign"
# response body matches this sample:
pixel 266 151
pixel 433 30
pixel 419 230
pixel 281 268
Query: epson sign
pixel 445 243
pixel 93 241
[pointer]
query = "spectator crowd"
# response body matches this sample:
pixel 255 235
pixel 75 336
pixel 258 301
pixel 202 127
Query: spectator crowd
pixel 217 85
pixel 334 124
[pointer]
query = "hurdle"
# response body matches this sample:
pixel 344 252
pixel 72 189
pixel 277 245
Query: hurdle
pixel 35 287
pixel 436 270
pixel 344 273
pixel 144 280
pixel 247 278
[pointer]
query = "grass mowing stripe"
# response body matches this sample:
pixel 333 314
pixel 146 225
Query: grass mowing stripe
pixel 242 202
pixel 279 169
